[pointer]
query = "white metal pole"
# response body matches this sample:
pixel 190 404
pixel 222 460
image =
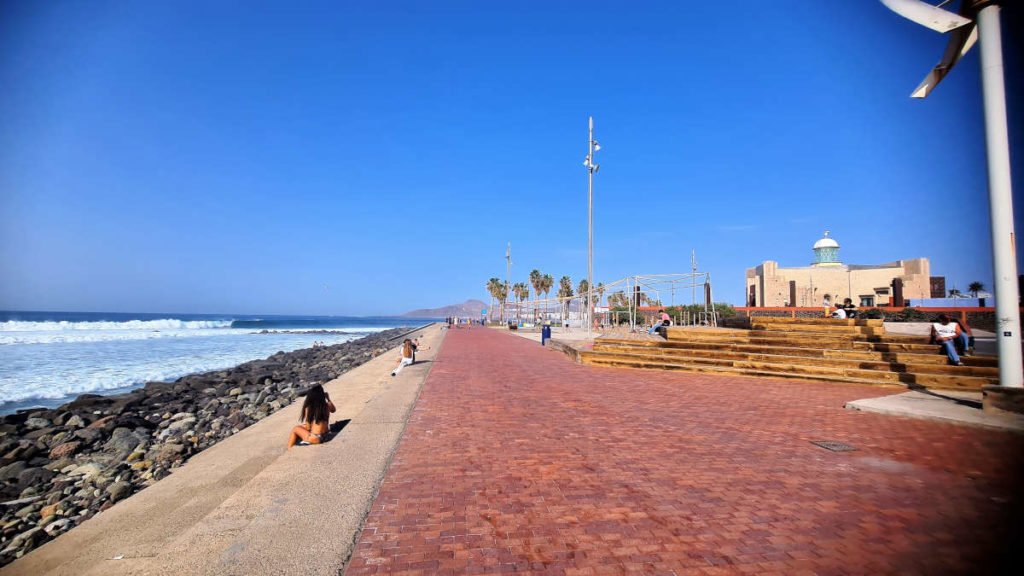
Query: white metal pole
pixel 590 223
pixel 508 272
pixel 1000 194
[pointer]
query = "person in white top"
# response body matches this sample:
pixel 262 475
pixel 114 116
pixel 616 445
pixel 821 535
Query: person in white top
pixel 839 312
pixel 406 357
pixel 946 333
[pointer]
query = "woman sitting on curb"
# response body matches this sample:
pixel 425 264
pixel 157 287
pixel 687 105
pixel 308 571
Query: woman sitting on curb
pixel 405 359
pixel 316 411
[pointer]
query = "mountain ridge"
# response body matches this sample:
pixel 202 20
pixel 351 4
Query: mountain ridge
pixel 470 308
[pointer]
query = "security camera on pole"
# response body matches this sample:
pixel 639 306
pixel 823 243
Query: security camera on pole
pixel 979 20
pixel 593 146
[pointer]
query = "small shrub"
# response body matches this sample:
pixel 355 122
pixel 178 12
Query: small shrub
pixel 871 314
pixel 912 315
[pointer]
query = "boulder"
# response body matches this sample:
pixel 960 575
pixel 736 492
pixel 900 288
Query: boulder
pixel 119 490
pixel 35 423
pixel 106 422
pixel 12 470
pixel 34 477
pixel 64 450
pixel 57 526
pixel 75 422
pixel 87 471
pixel 183 424
pixel 90 435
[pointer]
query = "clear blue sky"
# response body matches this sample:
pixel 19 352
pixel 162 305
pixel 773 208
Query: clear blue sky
pixel 375 157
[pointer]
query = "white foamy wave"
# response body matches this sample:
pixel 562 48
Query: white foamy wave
pixel 149 325
pixel 369 330
pixel 39 372
pixel 72 336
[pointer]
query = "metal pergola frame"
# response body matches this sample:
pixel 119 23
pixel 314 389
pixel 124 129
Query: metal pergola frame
pixel 650 283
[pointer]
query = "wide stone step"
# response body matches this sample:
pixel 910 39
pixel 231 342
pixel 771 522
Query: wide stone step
pixel 875 322
pixel 673 333
pixel 819 329
pixel 988 365
pixel 825 358
pixel 788 370
pixel 833 342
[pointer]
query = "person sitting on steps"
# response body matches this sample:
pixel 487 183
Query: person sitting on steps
pixel 849 308
pixel 662 320
pixel 946 333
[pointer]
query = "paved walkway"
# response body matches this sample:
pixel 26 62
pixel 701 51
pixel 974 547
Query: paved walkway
pixel 516 459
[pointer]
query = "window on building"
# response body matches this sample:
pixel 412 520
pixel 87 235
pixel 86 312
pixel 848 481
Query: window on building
pixel 867 301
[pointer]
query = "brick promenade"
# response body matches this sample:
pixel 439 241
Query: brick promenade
pixel 517 460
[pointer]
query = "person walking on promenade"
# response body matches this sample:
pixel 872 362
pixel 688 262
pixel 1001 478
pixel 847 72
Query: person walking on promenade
pixel 946 333
pixel 405 359
pixel 316 411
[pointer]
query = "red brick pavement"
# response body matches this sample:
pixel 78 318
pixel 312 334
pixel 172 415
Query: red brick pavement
pixel 517 460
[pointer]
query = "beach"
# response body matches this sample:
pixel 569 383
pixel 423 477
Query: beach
pixel 60 467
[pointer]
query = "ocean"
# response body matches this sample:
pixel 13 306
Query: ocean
pixel 49 358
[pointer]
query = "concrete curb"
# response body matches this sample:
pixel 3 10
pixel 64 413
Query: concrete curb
pixel 963 409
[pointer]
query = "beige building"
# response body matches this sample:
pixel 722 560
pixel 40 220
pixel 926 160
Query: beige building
pixel 827 281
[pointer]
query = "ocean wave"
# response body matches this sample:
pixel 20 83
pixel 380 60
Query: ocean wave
pixel 70 337
pixel 138 325
pixel 30 372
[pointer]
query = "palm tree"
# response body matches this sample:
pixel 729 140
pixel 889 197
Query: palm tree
pixel 618 299
pixel 565 292
pixel 975 287
pixel 548 282
pixel 521 292
pixel 493 285
pixel 954 293
pixel 582 290
pixel 536 279
pixel 503 293
pixel 599 290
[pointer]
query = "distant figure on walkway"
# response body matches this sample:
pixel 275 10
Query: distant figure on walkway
pixel 316 412
pixel 946 333
pixel 405 359
pixel 849 308
pixel 839 312
pixel 662 320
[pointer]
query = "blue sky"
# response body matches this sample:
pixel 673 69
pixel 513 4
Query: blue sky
pixel 375 157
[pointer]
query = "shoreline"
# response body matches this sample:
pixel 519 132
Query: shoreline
pixel 61 466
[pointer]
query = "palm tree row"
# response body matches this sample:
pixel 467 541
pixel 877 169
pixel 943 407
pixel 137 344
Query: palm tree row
pixel 542 284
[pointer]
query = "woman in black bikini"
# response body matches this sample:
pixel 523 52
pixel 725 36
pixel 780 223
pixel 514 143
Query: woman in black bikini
pixel 316 412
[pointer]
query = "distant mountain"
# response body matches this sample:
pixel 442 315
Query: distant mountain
pixel 469 308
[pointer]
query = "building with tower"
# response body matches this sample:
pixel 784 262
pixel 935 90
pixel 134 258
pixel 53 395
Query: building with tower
pixel 828 280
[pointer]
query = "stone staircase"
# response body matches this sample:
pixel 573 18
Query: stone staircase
pixel 855 351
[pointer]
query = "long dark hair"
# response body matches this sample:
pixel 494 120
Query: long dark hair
pixel 314 409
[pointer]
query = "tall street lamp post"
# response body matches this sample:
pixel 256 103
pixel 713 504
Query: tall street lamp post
pixel 978 20
pixel 592 146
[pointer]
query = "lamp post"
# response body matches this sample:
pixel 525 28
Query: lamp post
pixel 592 146
pixel 979 21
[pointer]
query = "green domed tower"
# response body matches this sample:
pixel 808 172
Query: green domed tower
pixel 826 252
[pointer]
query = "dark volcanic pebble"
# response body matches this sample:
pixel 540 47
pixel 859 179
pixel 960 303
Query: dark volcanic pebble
pixel 60 467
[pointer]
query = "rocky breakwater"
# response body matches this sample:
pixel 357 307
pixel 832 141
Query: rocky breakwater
pixel 60 467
